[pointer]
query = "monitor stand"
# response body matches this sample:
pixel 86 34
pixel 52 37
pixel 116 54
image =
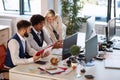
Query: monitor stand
pixel 89 64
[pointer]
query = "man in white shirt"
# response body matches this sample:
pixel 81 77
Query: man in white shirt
pixel 18 48
pixel 38 33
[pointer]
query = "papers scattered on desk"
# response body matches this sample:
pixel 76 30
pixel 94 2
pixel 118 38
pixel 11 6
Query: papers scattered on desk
pixel 52 70
pixel 57 51
pixel 113 61
pixel 68 71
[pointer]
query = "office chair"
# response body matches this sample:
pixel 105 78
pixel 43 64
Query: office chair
pixel 2 59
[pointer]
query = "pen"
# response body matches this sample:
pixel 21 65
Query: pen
pixel 41 69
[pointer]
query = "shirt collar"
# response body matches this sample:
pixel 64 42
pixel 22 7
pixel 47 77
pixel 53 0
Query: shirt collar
pixel 36 31
pixel 21 38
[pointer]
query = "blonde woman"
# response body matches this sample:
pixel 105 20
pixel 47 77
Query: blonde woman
pixel 53 23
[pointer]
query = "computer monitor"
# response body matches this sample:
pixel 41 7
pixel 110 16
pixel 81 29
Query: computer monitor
pixel 67 43
pixel 110 29
pixel 91 48
pixel 90 27
pixel 91 40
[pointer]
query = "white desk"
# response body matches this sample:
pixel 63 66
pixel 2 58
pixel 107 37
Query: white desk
pixel 31 72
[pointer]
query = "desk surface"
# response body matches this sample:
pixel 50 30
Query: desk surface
pixel 31 72
pixel 99 72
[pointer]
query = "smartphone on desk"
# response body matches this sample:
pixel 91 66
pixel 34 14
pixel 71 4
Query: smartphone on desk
pixel 41 62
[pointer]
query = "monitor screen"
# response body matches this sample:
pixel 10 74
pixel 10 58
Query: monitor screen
pixel 111 29
pixel 90 27
pixel 67 43
pixel 91 48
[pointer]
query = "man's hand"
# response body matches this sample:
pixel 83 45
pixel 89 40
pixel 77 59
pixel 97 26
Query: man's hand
pixel 47 53
pixel 36 57
pixel 40 52
pixel 42 55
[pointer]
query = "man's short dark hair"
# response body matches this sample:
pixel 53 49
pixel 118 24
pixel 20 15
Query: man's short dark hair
pixel 35 19
pixel 23 24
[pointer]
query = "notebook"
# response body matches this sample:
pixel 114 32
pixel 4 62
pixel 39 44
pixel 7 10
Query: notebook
pixel 116 46
pixel 52 69
pixel 113 61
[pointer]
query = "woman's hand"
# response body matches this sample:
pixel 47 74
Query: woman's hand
pixel 58 44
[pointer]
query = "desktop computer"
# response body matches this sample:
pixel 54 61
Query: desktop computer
pixel 91 41
pixel 91 48
pixel 110 35
pixel 67 43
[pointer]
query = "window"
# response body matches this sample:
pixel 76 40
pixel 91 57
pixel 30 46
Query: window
pixel 8 5
pixel 118 9
pixel 97 8
pixel 14 5
pixel 22 6
pixel 35 6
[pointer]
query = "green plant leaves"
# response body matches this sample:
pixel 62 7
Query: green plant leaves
pixel 70 10
pixel 75 50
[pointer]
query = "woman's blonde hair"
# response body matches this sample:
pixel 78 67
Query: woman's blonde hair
pixel 50 12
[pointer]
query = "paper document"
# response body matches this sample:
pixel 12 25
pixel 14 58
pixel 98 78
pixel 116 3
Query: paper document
pixel 52 70
pixel 47 48
pixel 113 61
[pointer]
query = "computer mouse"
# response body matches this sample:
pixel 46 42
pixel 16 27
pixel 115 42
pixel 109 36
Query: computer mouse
pixel 89 76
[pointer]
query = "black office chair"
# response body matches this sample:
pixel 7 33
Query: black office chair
pixel 2 59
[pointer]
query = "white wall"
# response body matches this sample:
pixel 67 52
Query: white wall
pixel 50 4
pixel 11 21
pixel 44 6
pixel 1 8
pixel 57 6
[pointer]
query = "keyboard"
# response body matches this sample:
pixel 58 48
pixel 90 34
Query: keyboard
pixel 116 46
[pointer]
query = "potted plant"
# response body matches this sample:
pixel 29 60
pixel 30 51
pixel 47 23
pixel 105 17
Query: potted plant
pixel 70 11
pixel 75 50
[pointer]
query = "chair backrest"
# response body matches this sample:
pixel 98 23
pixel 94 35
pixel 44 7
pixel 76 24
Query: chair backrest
pixel 2 55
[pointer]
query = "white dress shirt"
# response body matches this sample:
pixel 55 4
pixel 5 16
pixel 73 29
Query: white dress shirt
pixel 13 46
pixel 33 43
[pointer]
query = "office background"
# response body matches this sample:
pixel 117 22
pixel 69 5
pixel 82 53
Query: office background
pixel 97 8
pixel 23 9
